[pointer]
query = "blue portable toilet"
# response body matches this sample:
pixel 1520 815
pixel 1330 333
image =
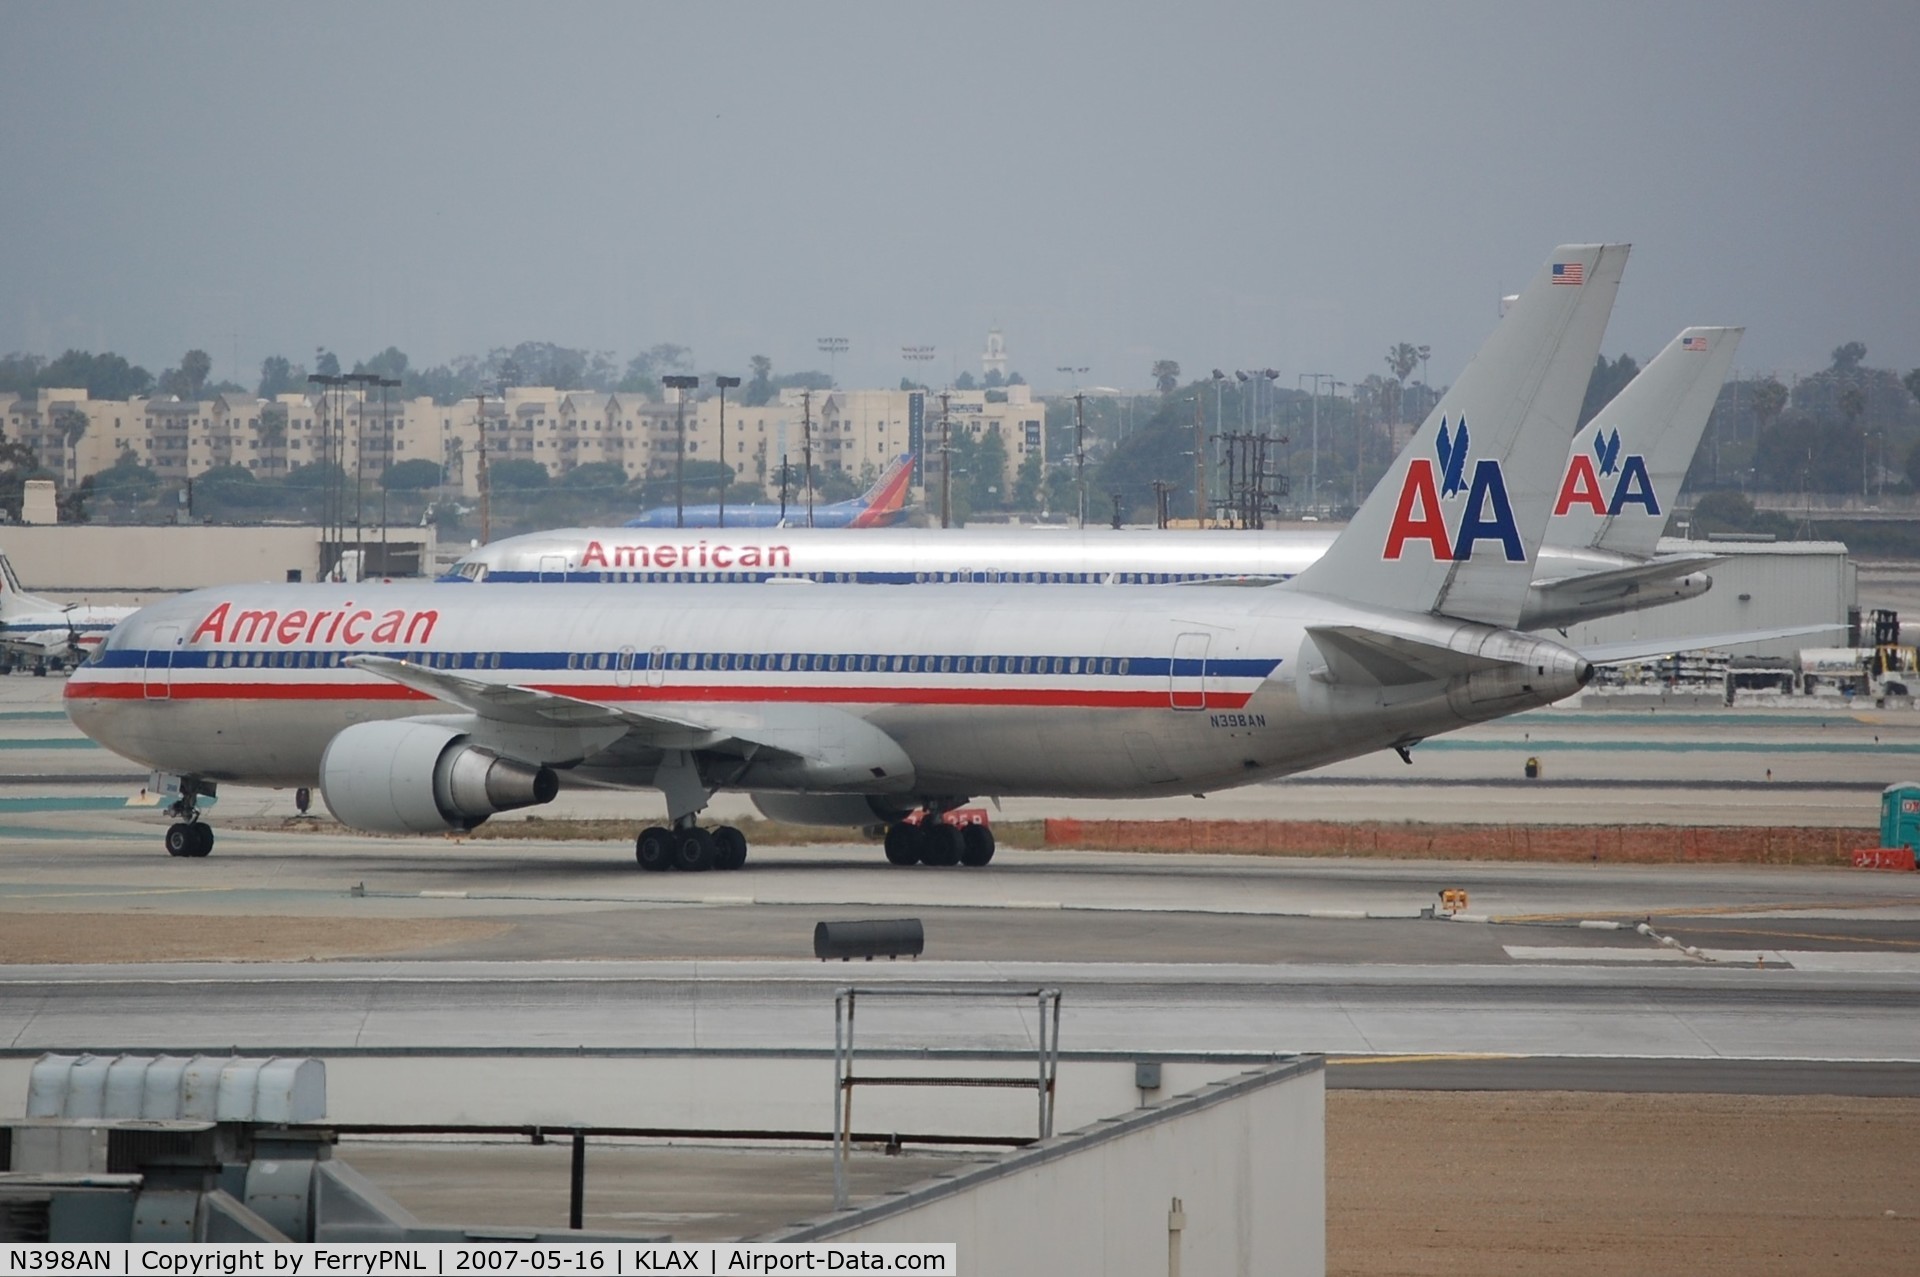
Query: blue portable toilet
pixel 1900 816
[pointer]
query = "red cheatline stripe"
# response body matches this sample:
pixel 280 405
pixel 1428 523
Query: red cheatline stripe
pixel 1060 697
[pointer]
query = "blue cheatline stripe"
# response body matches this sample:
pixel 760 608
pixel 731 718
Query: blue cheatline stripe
pixel 865 576
pixel 20 714
pixel 1019 666
pixel 58 742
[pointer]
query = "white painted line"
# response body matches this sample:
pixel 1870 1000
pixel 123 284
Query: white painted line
pixel 443 895
pixel 1547 953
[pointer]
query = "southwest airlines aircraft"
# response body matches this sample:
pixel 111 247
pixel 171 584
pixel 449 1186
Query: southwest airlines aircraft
pixel 1598 559
pixel 419 708
pixel 880 506
pixel 43 633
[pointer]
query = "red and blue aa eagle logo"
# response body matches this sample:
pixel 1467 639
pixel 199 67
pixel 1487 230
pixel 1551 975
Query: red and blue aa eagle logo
pixel 1479 505
pixel 1583 485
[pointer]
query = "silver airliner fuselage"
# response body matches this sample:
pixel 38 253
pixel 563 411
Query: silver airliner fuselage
pixel 1570 584
pixel 1089 691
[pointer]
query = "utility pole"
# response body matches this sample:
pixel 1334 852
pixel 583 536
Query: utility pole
pixel 806 446
pixel 946 465
pixel 386 429
pixel 1161 490
pixel 723 382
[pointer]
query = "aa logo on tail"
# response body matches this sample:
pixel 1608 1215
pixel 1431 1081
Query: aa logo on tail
pixel 1583 484
pixel 1431 509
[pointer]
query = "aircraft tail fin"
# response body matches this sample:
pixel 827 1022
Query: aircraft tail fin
pixel 13 599
pixel 1457 521
pixel 887 497
pixel 1627 464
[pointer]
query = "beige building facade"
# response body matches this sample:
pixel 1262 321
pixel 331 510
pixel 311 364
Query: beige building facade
pixel 857 432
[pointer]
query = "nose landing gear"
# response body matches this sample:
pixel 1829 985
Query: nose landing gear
pixel 189 835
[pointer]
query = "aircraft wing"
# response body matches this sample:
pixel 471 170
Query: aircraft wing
pixel 33 643
pixel 1650 648
pixel 819 740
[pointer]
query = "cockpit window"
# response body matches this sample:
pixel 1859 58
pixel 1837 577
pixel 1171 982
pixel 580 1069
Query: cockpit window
pixel 471 571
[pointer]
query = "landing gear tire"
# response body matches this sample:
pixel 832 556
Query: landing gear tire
pixel 693 849
pixel 977 845
pixel 945 845
pixel 189 838
pixel 653 849
pixel 729 848
pixel 904 843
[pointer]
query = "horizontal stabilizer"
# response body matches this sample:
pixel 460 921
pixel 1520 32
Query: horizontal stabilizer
pixel 1358 655
pixel 1587 588
pixel 1654 648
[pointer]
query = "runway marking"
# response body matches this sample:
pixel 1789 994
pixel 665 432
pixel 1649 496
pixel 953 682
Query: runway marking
pixel 1440 1057
pixel 110 893
pixel 1720 911
pixel 1862 941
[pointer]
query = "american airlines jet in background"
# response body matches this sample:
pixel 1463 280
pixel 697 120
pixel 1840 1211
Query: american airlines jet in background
pixel 46 635
pixel 882 505
pixel 1599 558
pixel 423 707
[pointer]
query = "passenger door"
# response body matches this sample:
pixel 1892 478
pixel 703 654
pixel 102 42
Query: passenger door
pixel 158 681
pixel 1186 676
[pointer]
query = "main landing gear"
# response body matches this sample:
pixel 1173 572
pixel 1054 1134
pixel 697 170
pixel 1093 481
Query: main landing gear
pixel 189 835
pixel 691 848
pixel 932 841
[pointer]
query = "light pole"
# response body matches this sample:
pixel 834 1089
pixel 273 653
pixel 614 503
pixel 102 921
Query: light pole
pixel 1313 464
pixel 681 382
pixel 327 383
pixel 1079 440
pixel 723 382
pixel 831 347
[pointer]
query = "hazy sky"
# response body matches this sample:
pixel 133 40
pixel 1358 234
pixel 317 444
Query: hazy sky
pixel 1259 185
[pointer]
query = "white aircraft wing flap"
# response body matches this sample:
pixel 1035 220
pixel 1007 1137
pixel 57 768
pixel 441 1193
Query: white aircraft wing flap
pixel 824 741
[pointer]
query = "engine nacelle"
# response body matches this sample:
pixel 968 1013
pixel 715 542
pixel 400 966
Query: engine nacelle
pixel 839 810
pixel 405 777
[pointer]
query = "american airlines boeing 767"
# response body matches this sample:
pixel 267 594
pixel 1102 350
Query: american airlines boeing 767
pixel 423 708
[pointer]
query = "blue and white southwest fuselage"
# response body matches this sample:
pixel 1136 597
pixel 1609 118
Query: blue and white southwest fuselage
pixel 982 691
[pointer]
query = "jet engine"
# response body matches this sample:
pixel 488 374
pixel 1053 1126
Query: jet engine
pixel 407 777
pixel 843 810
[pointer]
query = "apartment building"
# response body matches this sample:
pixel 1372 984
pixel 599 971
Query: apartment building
pixel 854 431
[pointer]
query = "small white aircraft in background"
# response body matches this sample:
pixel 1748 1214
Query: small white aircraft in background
pixel 46 635
pixel 1598 559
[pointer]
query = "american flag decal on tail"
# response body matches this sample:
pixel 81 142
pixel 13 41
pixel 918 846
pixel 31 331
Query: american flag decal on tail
pixel 1696 344
pixel 1569 273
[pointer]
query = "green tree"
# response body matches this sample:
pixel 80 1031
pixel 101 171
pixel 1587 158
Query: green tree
pixel 1026 484
pixel 412 476
pixel 1912 382
pixel 195 366
pixel 1166 375
pixel 71 425
pixel 759 389
pixel 1606 381
pixel 518 475
pixel 1848 357
pixel 325 362
pixel 20 373
pixel 390 363
pixel 280 376
pixel 601 477
pixel 315 475
pixel 17 465
pixel 987 483
pixel 126 481
pixel 1401 360
pixel 105 375
pixel 273 436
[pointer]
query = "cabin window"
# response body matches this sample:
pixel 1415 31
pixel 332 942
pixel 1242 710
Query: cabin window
pixel 786 660
pixel 1106 665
